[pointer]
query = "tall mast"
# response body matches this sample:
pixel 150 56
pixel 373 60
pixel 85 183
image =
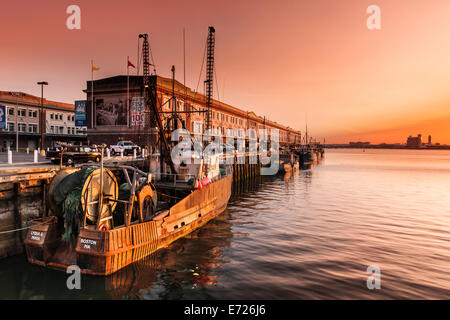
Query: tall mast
pixel 151 106
pixel 209 74
pixel 146 59
pixel 174 102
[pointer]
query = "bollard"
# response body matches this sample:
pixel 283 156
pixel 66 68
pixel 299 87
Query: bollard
pixel 28 150
pixel 134 153
pixel 143 153
pixel 108 153
pixel 35 156
pixel 121 153
pixel 9 157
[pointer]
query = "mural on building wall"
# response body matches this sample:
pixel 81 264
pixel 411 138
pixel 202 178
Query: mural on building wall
pixel 111 111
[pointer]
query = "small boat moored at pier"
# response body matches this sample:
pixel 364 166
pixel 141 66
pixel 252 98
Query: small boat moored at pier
pixel 119 220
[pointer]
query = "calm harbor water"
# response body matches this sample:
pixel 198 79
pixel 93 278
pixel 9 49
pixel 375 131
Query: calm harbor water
pixel 310 235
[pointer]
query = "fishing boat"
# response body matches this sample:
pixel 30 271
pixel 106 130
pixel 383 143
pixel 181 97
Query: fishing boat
pixel 105 217
pixel 306 159
pixel 288 161
pixel 120 219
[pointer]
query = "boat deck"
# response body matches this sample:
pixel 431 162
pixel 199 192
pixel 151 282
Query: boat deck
pixel 170 185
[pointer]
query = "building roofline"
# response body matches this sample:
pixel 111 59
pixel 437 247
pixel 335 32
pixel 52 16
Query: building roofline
pixel 166 83
pixel 33 101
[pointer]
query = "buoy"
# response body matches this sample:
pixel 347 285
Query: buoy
pixel 199 187
pixel 205 181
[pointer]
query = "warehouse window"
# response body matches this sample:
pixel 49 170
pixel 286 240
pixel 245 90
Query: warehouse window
pixel 11 126
pixel 180 106
pixel 22 127
pixel 22 112
pixel 32 128
pixel 11 111
pixel 197 126
pixel 165 103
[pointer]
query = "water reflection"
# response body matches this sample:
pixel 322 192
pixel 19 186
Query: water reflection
pixel 310 234
pixel 177 272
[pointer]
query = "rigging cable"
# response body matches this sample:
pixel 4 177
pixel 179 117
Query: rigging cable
pixel 201 69
pixel 217 85
pixel 14 230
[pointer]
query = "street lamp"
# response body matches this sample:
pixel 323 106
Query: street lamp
pixel 42 84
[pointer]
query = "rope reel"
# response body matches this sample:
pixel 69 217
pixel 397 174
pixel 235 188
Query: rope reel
pixel 95 205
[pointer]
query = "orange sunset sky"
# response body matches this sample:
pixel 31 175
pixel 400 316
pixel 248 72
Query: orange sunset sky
pixel 286 60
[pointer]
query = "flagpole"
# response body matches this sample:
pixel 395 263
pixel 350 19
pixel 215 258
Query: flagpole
pixel 92 94
pixel 138 66
pixel 128 92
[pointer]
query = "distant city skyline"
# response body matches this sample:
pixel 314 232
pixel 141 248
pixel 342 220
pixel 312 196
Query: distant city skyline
pixel 427 141
pixel 286 60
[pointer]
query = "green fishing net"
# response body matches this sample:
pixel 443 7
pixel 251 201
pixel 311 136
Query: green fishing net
pixel 68 198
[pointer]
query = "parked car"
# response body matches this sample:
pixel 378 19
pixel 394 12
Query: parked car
pixel 126 146
pixel 73 154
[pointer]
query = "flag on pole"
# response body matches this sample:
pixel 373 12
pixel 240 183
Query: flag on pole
pixel 129 64
pixel 93 68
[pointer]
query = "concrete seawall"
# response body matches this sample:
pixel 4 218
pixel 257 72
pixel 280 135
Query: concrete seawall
pixel 20 202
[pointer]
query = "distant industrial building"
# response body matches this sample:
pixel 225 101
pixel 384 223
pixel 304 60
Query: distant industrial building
pixel 22 122
pixel 359 144
pixel 414 142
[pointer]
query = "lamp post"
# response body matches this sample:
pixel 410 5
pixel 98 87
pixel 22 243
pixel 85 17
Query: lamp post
pixel 42 84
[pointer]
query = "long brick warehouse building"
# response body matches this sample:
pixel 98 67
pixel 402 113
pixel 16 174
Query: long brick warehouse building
pixel 109 120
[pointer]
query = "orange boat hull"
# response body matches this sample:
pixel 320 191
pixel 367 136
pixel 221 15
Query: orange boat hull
pixel 105 252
